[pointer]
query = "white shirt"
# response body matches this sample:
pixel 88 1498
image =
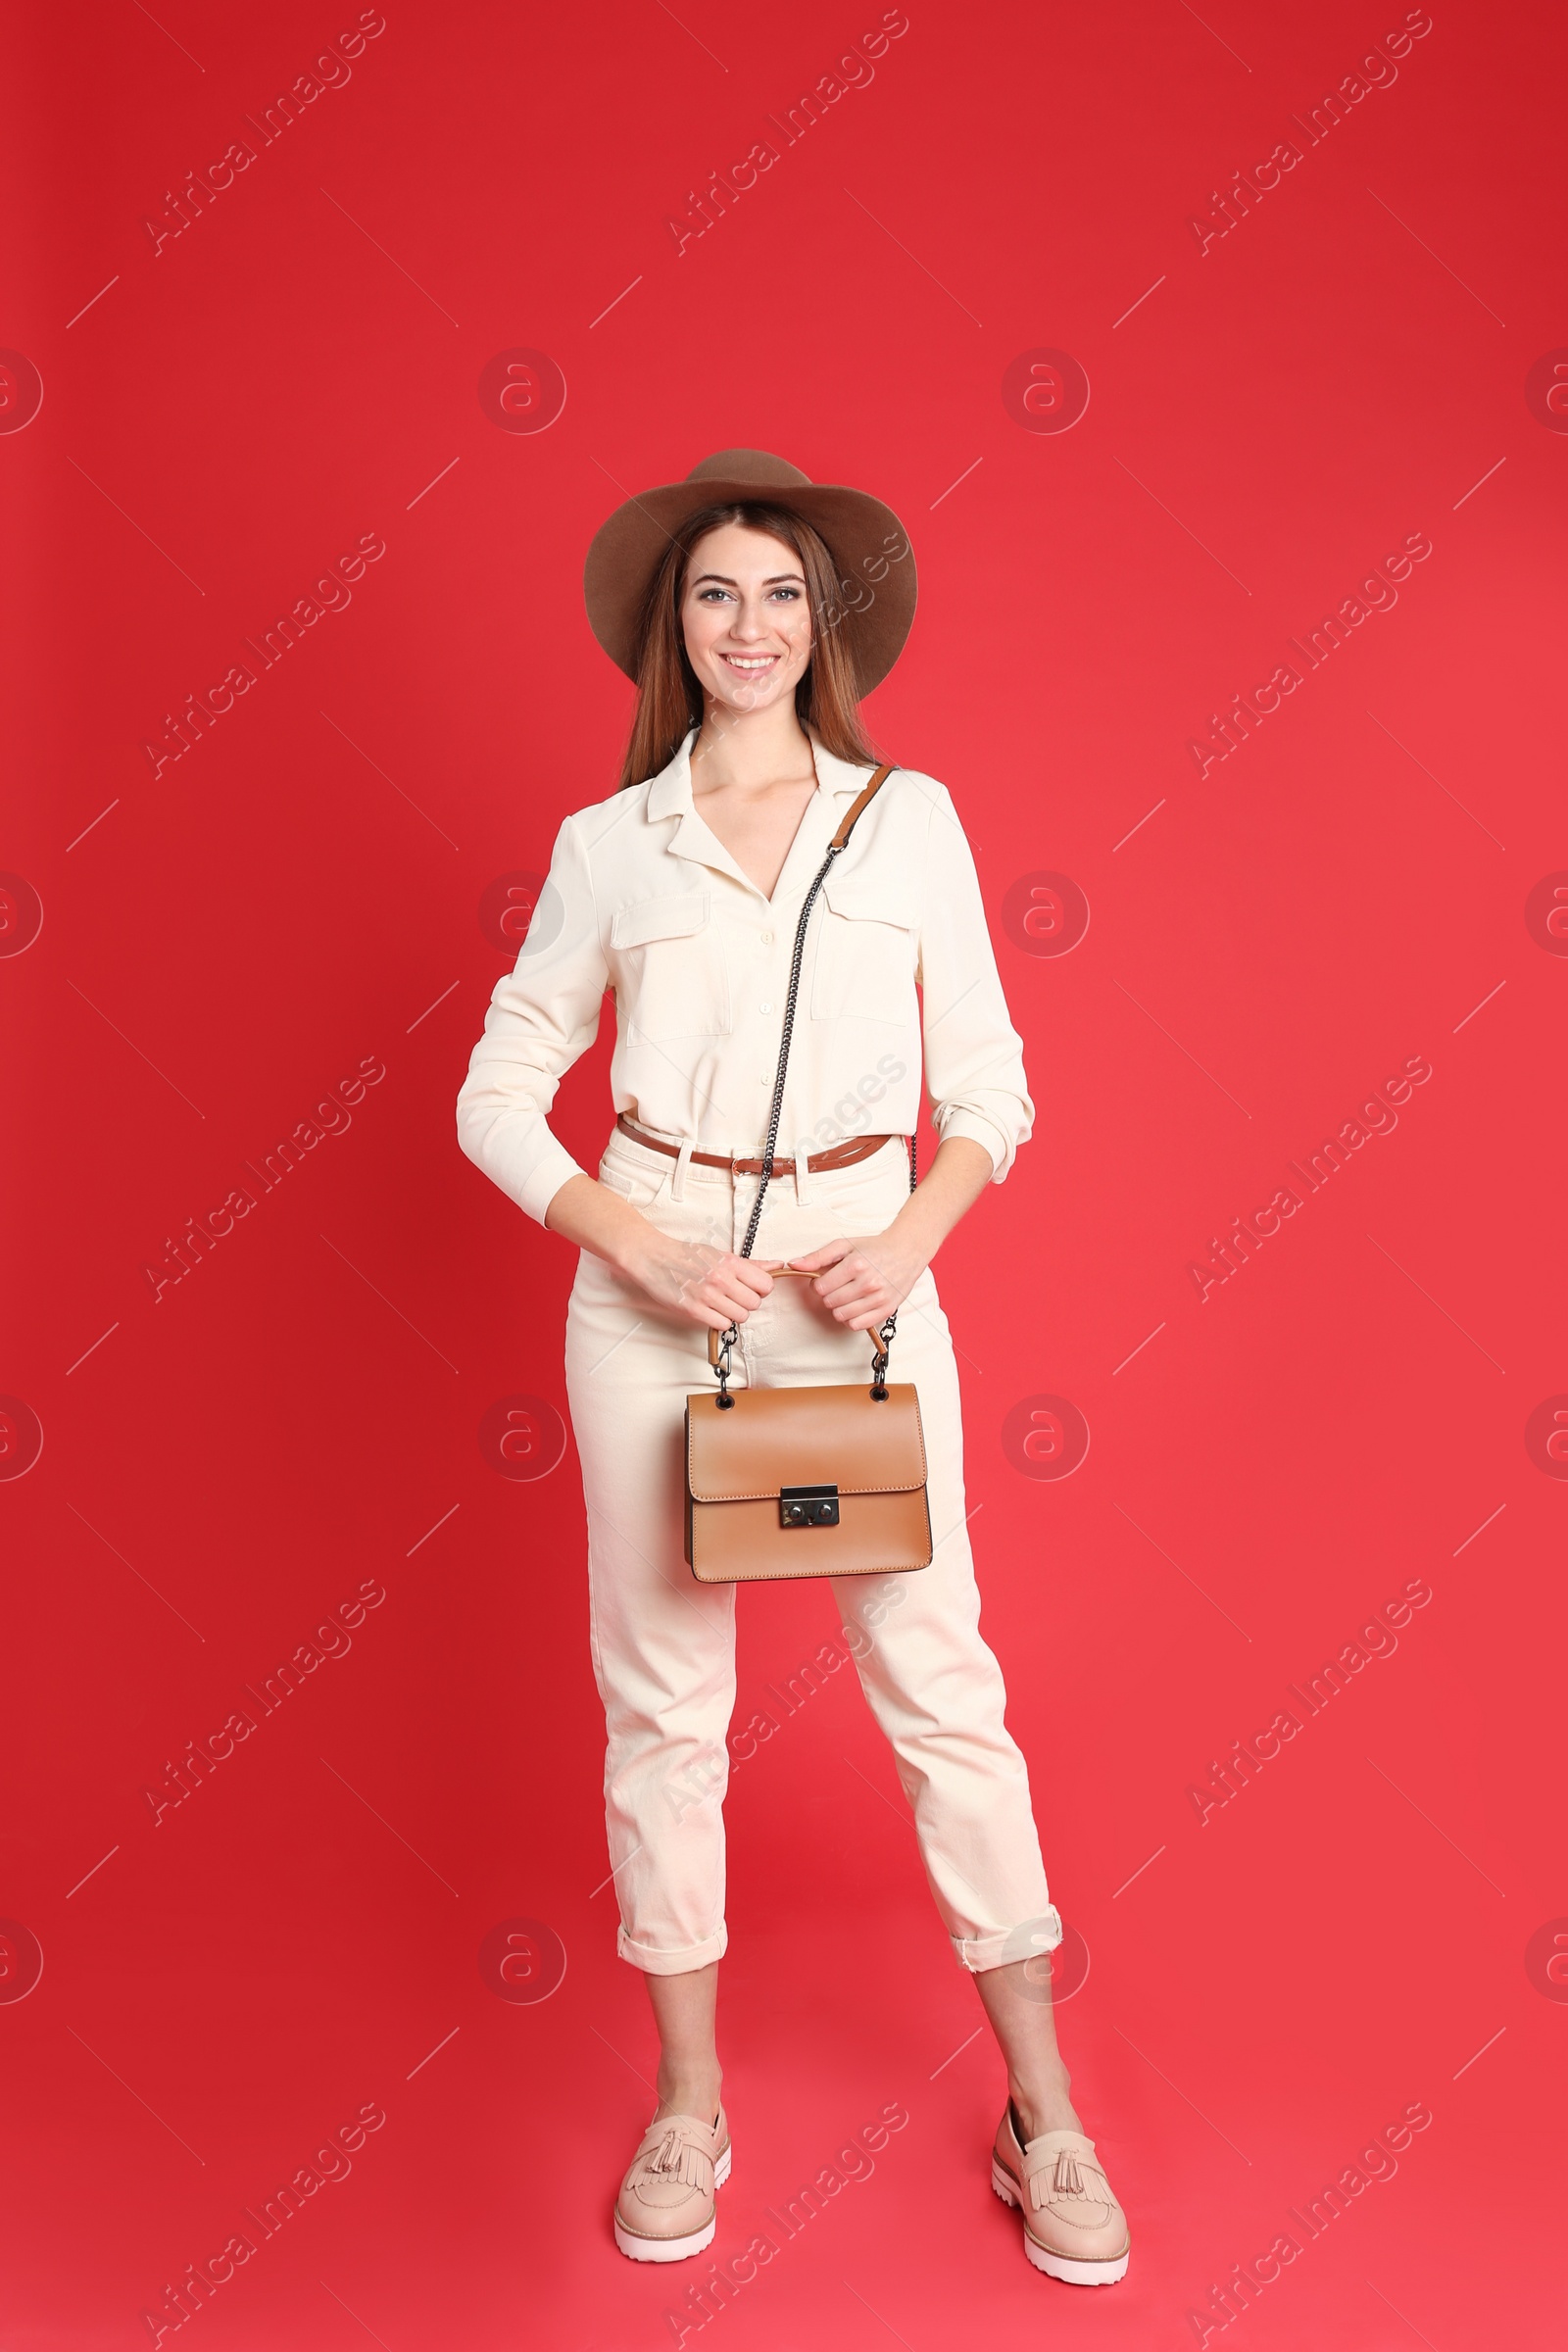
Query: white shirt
pixel 643 898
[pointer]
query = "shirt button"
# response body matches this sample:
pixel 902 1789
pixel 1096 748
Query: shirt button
pixel 766 937
pixel 765 1008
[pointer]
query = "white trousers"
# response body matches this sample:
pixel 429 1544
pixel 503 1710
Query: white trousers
pixel 663 1645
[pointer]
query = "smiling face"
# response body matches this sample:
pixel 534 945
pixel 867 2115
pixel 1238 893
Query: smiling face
pixel 746 617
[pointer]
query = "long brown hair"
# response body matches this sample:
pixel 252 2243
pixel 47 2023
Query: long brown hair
pixel 669 700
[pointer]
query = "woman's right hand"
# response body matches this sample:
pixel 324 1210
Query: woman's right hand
pixel 711 1287
pixel 714 1288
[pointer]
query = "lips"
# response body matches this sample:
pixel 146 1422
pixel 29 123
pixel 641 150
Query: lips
pixel 751 666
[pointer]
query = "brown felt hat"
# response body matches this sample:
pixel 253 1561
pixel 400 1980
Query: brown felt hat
pixel 869 547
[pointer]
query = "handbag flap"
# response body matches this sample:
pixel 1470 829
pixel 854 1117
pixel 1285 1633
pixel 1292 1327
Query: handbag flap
pixel 825 1437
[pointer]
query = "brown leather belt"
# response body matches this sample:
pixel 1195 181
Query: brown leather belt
pixel 842 1155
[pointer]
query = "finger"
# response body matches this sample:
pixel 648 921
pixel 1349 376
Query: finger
pixel 729 1291
pixel 745 1295
pixel 709 1317
pixel 877 1276
pixel 843 1282
pixel 828 1254
pixel 731 1278
pixel 866 1297
pixel 844 1262
pixel 732 1262
pixel 862 1313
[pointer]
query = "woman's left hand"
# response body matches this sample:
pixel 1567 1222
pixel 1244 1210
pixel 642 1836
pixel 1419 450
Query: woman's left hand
pixel 863 1281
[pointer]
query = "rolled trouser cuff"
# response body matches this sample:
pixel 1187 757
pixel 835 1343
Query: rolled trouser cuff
pixel 1030 1938
pixel 656 1963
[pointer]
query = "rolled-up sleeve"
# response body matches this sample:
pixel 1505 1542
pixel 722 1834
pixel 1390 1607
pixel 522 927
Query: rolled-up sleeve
pixel 974 1068
pixel 542 1015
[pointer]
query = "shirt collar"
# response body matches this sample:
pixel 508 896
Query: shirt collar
pixel 670 792
pixel 670 795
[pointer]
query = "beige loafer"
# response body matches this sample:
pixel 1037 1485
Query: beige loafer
pixel 1073 2227
pixel 665 2209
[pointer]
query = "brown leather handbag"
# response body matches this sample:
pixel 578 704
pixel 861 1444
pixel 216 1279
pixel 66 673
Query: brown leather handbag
pixel 795 1482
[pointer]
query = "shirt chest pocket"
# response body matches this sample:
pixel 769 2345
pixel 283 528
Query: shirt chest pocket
pixel 670 975
pixel 865 952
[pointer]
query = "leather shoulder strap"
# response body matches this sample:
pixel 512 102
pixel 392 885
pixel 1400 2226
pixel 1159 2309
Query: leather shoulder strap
pixel 868 795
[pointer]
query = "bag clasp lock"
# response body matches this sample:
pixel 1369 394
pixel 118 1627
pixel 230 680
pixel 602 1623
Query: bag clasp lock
pixel 809 1506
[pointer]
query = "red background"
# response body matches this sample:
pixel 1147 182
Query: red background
pixel 222 941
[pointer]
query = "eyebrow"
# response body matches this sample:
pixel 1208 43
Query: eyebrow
pixel 772 580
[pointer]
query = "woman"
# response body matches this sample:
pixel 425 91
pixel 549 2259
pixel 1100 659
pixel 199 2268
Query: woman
pixel 752 609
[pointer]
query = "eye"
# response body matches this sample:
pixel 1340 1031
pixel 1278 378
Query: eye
pixel 707 595
pixel 793 594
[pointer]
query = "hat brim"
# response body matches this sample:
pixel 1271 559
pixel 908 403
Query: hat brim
pixel 869 547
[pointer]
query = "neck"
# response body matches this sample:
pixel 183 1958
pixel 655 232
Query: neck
pixel 749 748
